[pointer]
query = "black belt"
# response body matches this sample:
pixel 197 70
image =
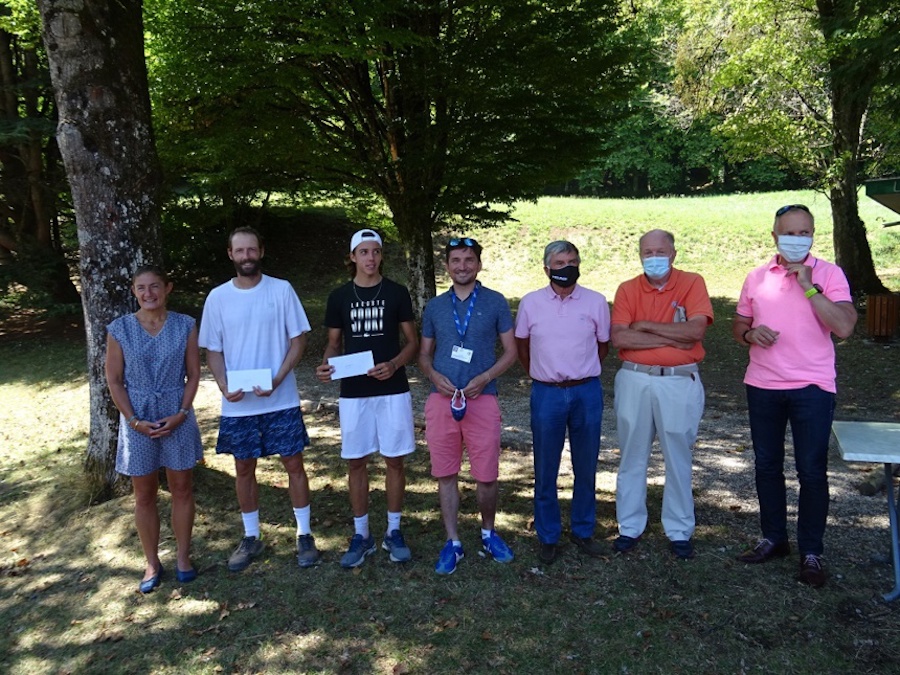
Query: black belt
pixel 565 384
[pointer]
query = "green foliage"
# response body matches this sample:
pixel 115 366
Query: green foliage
pixel 33 190
pixel 22 19
pixel 667 144
pixel 657 152
pixel 438 110
pixel 762 173
pixel 798 82
pixel 29 282
pixel 774 72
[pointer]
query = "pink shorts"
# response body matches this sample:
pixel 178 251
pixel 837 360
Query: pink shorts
pixel 479 430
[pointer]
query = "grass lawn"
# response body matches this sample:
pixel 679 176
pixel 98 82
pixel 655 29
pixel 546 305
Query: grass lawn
pixel 69 571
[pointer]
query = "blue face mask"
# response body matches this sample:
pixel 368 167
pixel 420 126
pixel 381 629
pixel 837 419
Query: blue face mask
pixel 458 405
pixel 656 266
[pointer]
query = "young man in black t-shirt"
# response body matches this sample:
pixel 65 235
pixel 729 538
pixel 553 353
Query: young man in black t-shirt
pixel 370 313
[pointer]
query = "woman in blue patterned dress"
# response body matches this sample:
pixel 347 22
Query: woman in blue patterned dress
pixel 153 370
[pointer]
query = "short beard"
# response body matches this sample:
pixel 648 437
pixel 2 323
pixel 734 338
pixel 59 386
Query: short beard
pixel 252 273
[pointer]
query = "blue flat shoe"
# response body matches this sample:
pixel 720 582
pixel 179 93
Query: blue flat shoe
pixel 148 585
pixel 185 577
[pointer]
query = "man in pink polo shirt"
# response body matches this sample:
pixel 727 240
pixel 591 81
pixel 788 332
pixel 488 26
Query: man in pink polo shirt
pixel 788 309
pixel 562 335
pixel 658 324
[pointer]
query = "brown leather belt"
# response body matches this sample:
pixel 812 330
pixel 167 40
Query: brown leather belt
pixel 567 383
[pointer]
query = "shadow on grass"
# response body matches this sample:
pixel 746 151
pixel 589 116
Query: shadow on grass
pixel 73 608
pixel 67 589
pixel 43 362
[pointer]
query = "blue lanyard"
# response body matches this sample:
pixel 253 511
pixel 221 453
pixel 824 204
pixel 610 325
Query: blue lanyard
pixel 462 328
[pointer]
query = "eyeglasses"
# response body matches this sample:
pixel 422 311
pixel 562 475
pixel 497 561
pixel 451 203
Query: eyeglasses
pixel 790 207
pixel 465 241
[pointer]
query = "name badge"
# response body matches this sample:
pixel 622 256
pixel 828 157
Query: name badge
pixel 461 354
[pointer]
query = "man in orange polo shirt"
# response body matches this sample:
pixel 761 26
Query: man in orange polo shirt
pixel 658 322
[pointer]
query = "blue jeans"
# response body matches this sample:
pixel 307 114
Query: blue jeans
pixel 810 411
pixel 554 410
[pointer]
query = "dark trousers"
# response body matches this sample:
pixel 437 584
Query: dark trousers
pixel 810 411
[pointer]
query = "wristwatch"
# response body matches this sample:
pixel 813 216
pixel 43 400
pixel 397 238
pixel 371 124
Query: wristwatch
pixel 812 291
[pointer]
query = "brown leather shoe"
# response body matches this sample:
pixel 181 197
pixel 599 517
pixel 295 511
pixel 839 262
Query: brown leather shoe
pixel 765 551
pixel 587 546
pixel 811 571
pixel 547 553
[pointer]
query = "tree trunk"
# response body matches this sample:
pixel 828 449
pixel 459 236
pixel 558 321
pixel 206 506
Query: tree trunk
pixel 852 74
pixel 96 54
pixel 415 235
pixel 851 247
pixel 852 252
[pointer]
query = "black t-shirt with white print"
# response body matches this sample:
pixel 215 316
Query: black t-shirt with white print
pixel 369 319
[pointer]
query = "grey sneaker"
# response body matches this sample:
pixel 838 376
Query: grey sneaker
pixel 395 545
pixel 307 553
pixel 247 550
pixel 359 549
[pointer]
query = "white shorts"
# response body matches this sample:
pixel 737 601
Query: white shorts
pixel 377 424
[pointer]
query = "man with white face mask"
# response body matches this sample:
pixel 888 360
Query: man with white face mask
pixel 787 311
pixel 658 322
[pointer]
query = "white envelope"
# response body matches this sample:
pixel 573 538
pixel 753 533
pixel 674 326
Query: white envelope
pixel 247 379
pixel 350 365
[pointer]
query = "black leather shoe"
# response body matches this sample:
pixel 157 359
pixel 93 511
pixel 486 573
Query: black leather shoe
pixel 587 546
pixel 682 549
pixel 765 551
pixel 547 553
pixel 625 544
pixel 811 571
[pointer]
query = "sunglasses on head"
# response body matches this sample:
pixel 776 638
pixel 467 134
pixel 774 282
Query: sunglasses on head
pixel 790 207
pixel 465 241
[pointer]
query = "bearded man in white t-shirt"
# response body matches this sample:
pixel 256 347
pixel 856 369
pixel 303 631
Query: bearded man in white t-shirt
pixel 254 332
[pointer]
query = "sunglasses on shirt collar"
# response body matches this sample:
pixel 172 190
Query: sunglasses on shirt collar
pixel 790 207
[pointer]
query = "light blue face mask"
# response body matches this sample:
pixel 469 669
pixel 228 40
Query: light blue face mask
pixel 656 266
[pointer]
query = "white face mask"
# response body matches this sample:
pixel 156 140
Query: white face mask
pixel 794 249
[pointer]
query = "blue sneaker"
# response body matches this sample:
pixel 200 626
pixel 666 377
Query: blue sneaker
pixel 395 545
pixel 450 555
pixel 497 548
pixel 359 549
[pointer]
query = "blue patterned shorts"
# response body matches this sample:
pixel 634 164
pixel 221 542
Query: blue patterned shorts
pixel 276 433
